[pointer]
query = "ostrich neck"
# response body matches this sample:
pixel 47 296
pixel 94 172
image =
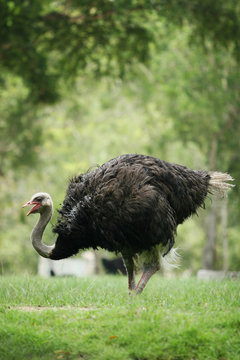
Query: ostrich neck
pixel 37 233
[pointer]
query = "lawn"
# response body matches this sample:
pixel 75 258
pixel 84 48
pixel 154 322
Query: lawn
pixel 94 318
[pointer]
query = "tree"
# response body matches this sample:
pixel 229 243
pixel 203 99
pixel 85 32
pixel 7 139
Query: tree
pixel 43 41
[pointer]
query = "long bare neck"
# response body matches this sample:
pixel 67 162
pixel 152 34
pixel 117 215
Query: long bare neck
pixel 38 230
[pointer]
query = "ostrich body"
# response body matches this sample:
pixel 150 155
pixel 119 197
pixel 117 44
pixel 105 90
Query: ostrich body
pixel 131 204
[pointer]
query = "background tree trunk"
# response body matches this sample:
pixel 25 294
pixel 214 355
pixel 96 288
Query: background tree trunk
pixel 224 215
pixel 209 252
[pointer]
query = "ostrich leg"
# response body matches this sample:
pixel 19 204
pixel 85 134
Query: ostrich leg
pixel 129 264
pixel 146 275
pixel 151 264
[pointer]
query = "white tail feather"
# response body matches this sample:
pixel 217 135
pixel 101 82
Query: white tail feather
pixel 171 260
pixel 218 183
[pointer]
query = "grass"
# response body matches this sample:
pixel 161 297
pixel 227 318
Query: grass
pixel 72 318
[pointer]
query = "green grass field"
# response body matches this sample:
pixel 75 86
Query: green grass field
pixel 72 318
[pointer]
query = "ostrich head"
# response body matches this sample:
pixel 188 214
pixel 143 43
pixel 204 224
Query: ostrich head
pixel 41 201
pixel 42 204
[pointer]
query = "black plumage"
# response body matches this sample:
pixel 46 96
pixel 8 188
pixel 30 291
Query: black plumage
pixel 129 204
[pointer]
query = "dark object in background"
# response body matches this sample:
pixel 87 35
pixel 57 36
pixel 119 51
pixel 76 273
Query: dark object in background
pixel 52 273
pixel 114 266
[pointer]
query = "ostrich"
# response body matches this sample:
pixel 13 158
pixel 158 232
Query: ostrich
pixel 131 205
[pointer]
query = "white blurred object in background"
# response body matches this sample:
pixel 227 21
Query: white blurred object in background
pixel 81 267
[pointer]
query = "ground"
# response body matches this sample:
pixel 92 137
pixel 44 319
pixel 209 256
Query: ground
pixel 94 318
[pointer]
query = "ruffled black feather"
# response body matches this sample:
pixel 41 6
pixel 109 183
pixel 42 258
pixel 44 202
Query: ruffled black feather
pixel 130 203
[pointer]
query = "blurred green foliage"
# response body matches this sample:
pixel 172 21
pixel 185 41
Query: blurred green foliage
pixel 81 83
pixel 43 41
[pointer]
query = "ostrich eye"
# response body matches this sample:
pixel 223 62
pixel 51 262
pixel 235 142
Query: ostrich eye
pixel 38 199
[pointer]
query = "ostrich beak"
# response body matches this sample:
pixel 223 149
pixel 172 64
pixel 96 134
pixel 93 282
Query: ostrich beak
pixel 34 208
